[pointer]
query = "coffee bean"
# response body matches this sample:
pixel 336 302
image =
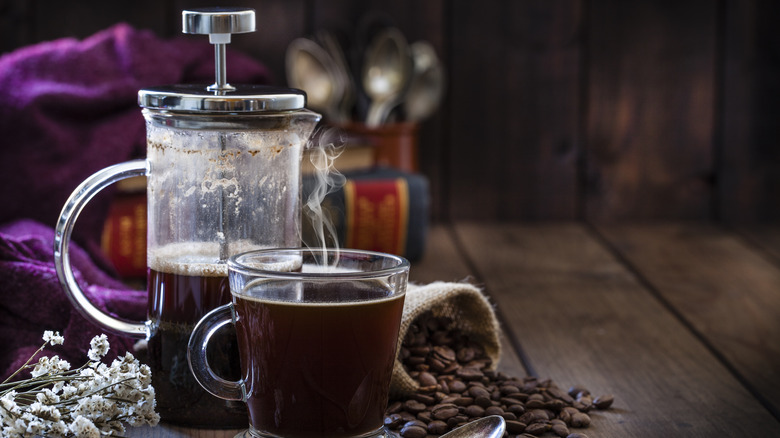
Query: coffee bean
pixel 444 353
pixel 420 350
pixel 516 409
pixel 393 421
pixel 464 401
pixel 466 354
pixel 426 379
pixel 534 404
pixel 509 389
pixel 514 426
pixel 414 431
pixel 485 402
pixel 469 373
pixel 436 364
pixel 576 435
pixel 604 401
pixel 560 394
pixel 536 428
pixel 438 427
pixel 394 407
pixel 475 411
pixel 494 410
pixel 415 360
pixel 575 390
pixel 407 416
pixel 444 411
pixel 580 419
pixel 461 419
pixel 478 391
pixel 554 404
pixel 457 384
pixel 560 429
pixel 414 406
pixel 426 399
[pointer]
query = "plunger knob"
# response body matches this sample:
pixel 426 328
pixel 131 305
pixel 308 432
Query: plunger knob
pixel 219 23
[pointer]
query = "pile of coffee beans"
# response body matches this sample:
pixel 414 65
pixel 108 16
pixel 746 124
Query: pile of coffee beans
pixel 457 386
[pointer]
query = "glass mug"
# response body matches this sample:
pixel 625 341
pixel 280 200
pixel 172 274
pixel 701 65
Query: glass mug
pixel 317 342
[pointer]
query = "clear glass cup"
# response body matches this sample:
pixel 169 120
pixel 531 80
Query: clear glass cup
pixel 317 341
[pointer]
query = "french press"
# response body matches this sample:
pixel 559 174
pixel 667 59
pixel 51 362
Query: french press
pixel 223 177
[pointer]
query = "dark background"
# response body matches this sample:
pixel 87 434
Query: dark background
pixel 601 110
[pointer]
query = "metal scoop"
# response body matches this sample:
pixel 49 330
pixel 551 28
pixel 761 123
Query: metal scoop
pixel 487 427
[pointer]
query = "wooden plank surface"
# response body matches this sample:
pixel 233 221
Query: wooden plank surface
pixel 766 238
pixel 725 290
pixel 582 317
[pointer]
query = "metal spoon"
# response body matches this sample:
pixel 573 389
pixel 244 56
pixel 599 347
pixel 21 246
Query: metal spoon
pixel 332 45
pixel 386 74
pixel 427 85
pixel 487 427
pixel 310 68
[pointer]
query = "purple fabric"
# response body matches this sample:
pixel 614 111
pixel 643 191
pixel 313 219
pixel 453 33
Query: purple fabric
pixel 31 299
pixel 68 109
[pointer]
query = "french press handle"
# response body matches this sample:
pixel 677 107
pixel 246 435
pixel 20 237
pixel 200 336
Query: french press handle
pixel 70 212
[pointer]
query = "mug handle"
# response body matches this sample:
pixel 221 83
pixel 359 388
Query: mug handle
pixel 199 364
pixel 70 212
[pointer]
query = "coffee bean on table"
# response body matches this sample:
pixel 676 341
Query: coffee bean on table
pixel 414 406
pixel 603 402
pixel 414 431
pixel 438 427
pixel 458 386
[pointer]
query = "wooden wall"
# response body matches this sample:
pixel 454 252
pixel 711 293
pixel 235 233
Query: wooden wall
pixel 604 110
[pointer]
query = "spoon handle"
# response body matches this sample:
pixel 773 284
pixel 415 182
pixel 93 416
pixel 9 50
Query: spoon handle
pixel 379 111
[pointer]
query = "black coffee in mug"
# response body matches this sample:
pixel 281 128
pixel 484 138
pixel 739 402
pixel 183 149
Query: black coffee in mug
pixel 320 367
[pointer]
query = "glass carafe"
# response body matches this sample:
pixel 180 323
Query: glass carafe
pixel 223 177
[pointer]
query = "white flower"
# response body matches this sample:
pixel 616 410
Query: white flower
pixel 41 368
pixel 59 428
pixel 91 401
pixel 53 338
pixel 83 427
pixel 98 347
pixel 8 402
pixel 35 427
pixel 51 365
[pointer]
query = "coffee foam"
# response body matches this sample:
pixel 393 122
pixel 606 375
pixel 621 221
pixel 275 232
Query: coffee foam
pixel 194 258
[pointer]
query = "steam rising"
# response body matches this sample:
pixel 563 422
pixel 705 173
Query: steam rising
pixel 324 148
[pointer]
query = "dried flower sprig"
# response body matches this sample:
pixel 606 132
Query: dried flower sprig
pixel 91 401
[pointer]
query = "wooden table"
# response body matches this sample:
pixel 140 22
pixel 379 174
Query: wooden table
pixel 681 322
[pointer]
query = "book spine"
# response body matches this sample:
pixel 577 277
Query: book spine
pixel 124 234
pixel 385 212
pixel 377 215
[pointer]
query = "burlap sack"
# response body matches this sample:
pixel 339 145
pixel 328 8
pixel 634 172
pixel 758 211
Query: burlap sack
pixel 470 311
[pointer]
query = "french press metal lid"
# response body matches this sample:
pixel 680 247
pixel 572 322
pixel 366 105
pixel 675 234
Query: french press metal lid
pixel 219 23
